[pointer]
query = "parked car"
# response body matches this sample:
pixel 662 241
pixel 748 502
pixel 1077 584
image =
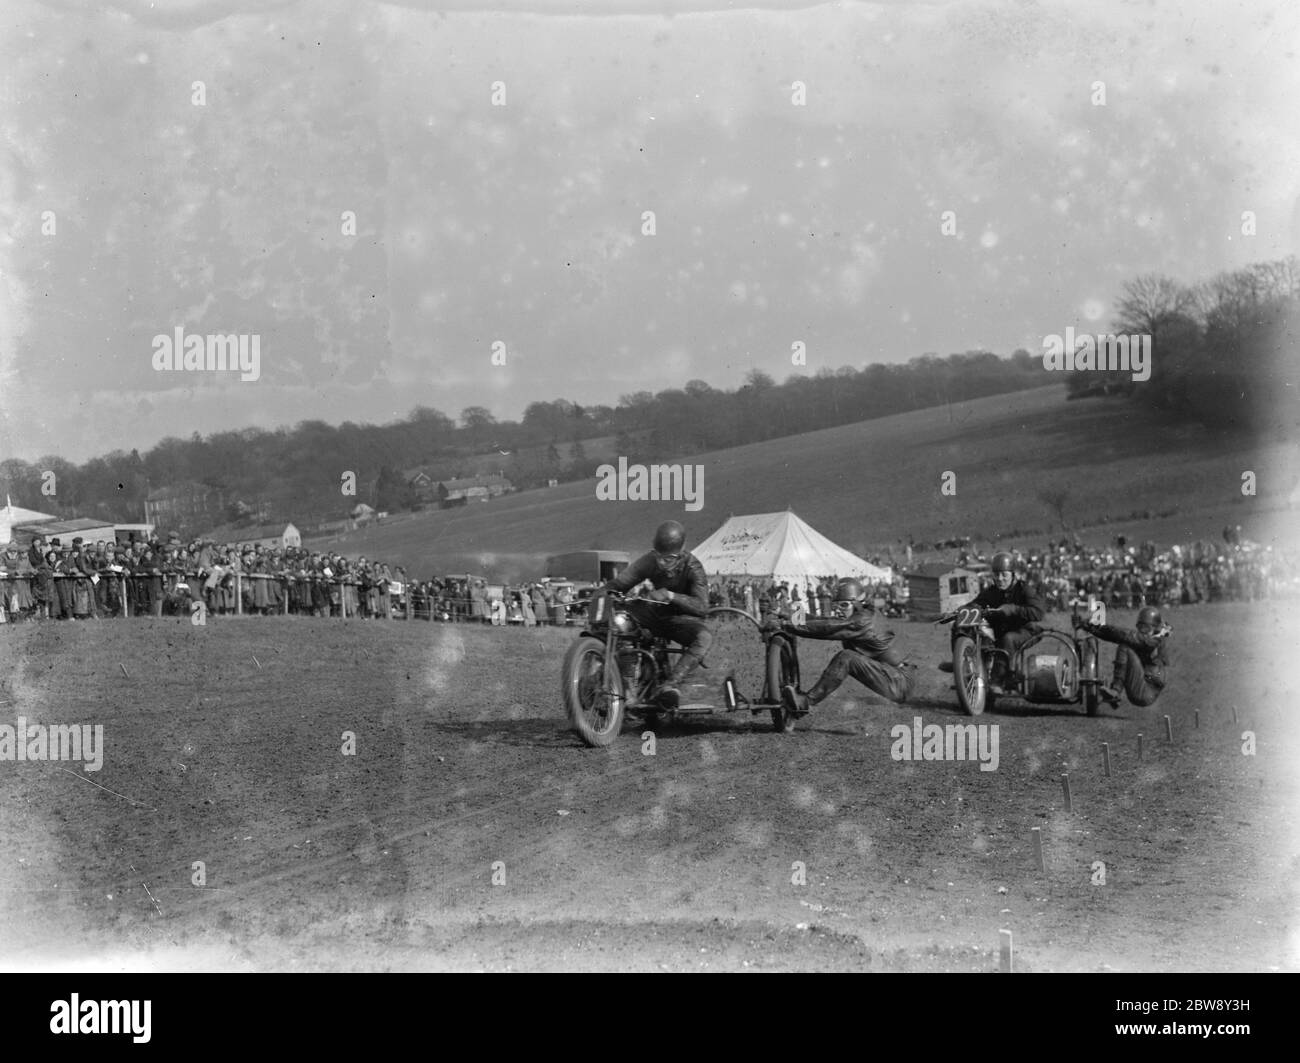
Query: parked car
pixel 581 604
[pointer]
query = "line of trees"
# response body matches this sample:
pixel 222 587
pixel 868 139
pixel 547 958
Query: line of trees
pixel 697 417
pixel 298 472
pixel 1223 352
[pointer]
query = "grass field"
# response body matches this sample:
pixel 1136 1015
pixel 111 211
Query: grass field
pixel 870 486
pixel 464 769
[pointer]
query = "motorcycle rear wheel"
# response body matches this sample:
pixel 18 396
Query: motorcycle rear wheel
pixel 593 696
pixel 968 676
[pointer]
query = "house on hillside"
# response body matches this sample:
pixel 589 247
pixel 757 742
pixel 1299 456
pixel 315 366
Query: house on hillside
pixel 183 504
pixel 472 489
pixel 938 587
pixel 427 488
pixel 422 485
pixel 269 536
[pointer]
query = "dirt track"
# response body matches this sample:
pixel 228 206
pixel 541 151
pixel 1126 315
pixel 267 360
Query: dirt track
pixel 613 859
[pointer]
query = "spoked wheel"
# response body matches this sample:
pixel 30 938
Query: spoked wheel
pixel 782 671
pixel 968 675
pixel 593 697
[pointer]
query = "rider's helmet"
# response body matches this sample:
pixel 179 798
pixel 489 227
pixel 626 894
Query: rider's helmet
pixel 848 592
pixel 670 538
pixel 670 546
pixel 1003 570
pixel 1149 616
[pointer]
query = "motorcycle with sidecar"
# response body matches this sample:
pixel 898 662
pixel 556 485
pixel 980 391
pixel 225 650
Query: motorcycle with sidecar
pixel 1051 668
pixel 617 667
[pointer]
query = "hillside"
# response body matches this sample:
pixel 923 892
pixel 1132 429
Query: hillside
pixel 601 448
pixel 871 485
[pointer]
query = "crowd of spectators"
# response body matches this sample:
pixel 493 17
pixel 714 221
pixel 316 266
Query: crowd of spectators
pixel 77 580
pixel 148 577
pixel 1130 576
pixel 796 601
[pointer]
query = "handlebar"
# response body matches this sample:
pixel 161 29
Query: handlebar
pixel 620 596
pixel 948 618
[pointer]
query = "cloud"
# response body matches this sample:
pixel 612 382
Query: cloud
pixel 476 222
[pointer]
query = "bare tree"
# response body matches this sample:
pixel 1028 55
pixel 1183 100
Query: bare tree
pixel 1055 498
pixel 1149 301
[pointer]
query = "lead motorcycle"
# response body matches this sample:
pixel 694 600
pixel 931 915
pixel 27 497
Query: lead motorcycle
pixel 1051 668
pixel 616 667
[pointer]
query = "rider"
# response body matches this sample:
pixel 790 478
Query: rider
pixel 1011 608
pixel 1140 657
pixel 867 655
pixel 683 590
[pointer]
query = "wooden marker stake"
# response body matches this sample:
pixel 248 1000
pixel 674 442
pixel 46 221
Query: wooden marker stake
pixel 1004 951
pixel 1105 757
pixel 1038 847
pixel 1139 745
pixel 1169 729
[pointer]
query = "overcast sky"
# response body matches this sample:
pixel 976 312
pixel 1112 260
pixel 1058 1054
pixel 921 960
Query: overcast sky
pixel 522 223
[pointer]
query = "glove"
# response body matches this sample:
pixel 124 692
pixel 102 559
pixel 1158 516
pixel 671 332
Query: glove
pixel 660 594
pixel 1006 610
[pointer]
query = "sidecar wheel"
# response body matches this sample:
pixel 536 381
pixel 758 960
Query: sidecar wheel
pixel 593 697
pixel 968 676
pixel 782 671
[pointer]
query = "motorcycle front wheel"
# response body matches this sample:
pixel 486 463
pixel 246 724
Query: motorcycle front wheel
pixel 593 695
pixel 968 675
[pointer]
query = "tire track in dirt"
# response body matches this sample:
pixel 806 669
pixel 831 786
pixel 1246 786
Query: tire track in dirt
pixel 422 846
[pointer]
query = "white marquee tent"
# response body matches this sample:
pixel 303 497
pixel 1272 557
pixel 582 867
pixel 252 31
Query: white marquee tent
pixel 779 546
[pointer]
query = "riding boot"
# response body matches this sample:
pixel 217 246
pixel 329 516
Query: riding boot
pixel 799 704
pixel 821 690
pixel 1111 694
pixel 670 693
